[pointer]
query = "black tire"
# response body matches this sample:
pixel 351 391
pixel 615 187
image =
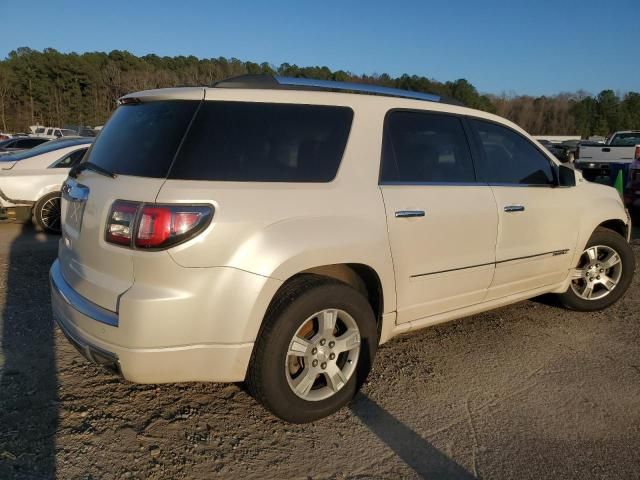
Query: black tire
pixel 609 238
pixel 44 213
pixel 298 300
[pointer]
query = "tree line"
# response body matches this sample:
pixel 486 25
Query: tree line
pixel 57 89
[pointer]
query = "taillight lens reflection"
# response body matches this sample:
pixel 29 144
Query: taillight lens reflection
pixel 121 222
pixel 155 226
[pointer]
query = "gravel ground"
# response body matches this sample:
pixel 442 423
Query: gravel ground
pixel 526 391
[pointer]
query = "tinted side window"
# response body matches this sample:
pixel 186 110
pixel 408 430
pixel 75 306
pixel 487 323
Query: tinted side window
pixel 27 143
pixel 71 159
pixel 425 147
pixel 510 158
pixel 264 142
pixel 142 139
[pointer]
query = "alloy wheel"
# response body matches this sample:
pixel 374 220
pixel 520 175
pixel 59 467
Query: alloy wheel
pixel 598 273
pixel 323 354
pixel 50 214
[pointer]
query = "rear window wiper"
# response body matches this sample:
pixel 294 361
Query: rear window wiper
pixel 90 166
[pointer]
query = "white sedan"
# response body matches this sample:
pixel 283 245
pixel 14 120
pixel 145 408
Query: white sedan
pixel 30 181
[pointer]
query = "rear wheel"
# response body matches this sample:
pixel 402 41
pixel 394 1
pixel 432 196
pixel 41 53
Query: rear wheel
pixel 314 351
pixel 603 274
pixel 46 213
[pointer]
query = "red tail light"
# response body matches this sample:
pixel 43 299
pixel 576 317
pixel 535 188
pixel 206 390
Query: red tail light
pixel 155 226
pixel 636 155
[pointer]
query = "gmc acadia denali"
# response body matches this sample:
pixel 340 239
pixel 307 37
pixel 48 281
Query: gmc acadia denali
pixel 275 231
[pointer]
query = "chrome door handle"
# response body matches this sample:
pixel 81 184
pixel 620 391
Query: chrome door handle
pixel 514 208
pixel 409 213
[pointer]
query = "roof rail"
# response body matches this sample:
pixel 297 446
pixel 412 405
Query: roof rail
pixel 295 83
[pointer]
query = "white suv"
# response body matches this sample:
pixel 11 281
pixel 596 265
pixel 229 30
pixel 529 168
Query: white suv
pixel 276 231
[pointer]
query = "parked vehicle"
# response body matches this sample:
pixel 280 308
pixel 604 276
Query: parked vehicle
pixel 30 180
pixel 558 138
pixel 81 130
pixel 86 132
pixel 277 230
pixel 52 132
pixel 621 147
pixel 571 149
pixel 556 150
pixel 17 144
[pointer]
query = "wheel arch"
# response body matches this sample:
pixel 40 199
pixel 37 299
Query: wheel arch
pixel 360 276
pixel 604 210
pixel 617 226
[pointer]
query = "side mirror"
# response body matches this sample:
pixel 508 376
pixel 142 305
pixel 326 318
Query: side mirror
pixel 566 176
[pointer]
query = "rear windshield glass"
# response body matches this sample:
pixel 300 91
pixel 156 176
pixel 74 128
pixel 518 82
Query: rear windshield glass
pixel 141 139
pixel 264 142
pixel 626 139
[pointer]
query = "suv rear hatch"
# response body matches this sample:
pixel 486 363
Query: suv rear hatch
pixel 137 145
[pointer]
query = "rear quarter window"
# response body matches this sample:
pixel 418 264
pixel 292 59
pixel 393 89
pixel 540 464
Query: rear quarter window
pixel 264 142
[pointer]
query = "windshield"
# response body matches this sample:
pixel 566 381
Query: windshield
pixel 39 150
pixel 627 139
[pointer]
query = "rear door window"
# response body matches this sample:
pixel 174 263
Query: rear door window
pixel 264 142
pixel 425 148
pixel 141 139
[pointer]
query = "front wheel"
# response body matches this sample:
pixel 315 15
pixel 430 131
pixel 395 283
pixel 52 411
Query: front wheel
pixel 603 274
pixel 314 351
pixel 46 213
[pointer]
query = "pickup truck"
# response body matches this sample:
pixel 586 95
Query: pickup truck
pixel 52 132
pixel 621 147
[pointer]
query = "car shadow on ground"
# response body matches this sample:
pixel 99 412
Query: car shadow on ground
pixel 426 460
pixel 28 383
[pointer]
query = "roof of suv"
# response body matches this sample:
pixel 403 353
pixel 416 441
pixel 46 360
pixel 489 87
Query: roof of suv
pixel 257 88
pixel 268 82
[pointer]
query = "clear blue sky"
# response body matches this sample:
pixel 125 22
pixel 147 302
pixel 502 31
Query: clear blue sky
pixel 526 47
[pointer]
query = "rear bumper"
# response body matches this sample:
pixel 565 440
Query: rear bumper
pixel 88 327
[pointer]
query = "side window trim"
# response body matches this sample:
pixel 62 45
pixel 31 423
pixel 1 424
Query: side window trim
pixel 385 139
pixel 479 153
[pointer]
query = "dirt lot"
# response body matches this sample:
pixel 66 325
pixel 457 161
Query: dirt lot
pixel 527 391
